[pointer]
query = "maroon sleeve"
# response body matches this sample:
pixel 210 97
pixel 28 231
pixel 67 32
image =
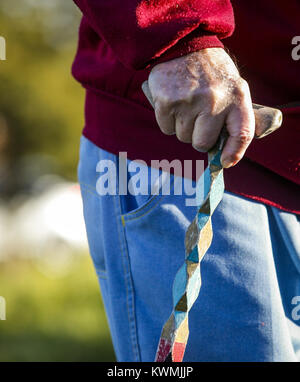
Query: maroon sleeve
pixel 141 31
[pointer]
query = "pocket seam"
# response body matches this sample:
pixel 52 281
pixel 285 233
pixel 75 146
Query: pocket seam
pixel 149 206
pixel 136 214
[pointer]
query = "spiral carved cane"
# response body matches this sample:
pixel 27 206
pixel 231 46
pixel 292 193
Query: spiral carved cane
pixel 198 238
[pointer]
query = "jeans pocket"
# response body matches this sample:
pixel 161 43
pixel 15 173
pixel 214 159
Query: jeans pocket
pixel 140 187
pixel 141 205
pixel 136 206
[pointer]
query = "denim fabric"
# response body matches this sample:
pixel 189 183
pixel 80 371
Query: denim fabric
pixel 247 310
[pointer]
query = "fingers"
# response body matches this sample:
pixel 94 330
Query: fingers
pixel 165 119
pixel 203 130
pixel 196 95
pixel 206 131
pixel 240 124
pixel 184 125
pixel 200 123
pixel 176 120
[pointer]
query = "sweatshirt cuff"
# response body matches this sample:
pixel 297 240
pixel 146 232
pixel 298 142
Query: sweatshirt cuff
pixel 195 41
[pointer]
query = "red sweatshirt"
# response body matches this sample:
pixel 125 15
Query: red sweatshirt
pixel 121 40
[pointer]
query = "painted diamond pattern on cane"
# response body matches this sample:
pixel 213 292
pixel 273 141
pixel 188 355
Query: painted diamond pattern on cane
pixel 187 283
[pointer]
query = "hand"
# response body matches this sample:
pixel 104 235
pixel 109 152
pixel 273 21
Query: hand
pixel 196 95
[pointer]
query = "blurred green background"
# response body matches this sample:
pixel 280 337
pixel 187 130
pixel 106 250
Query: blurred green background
pixel 54 310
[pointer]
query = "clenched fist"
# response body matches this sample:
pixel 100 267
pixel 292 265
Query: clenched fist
pixel 196 95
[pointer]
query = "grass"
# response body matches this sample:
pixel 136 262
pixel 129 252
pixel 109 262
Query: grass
pixel 53 318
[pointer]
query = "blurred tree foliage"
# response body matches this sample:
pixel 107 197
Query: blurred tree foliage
pixel 40 102
pixel 53 319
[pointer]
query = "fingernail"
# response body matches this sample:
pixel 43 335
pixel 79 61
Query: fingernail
pixel 227 164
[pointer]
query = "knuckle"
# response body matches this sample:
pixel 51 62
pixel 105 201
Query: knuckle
pixel 211 97
pixel 235 157
pixel 163 103
pixel 243 84
pixel 210 93
pixel 241 88
pixel 201 145
pixel 183 136
pixel 167 131
pixel 167 100
pixel 244 138
pixel 170 104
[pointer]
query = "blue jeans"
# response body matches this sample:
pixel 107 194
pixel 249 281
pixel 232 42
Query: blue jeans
pixel 249 303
